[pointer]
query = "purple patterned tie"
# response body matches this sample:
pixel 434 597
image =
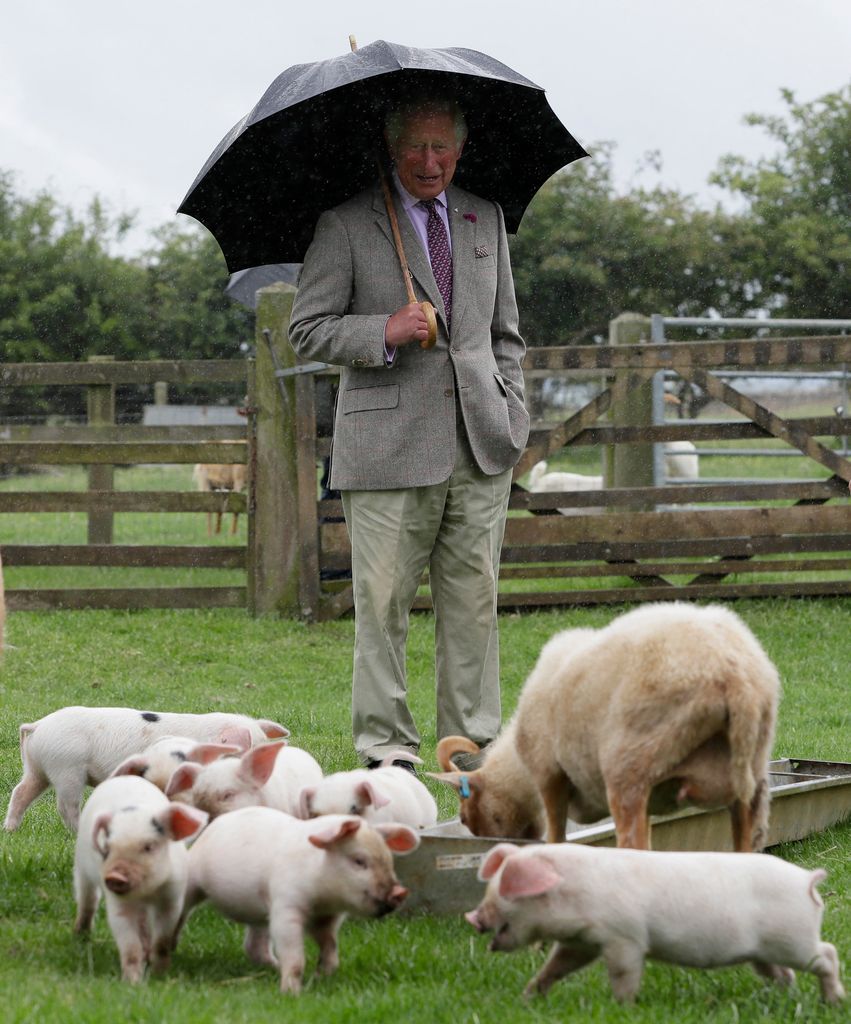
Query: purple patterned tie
pixel 439 254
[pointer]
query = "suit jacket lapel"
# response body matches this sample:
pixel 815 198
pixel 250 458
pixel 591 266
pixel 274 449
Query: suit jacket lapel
pixel 463 253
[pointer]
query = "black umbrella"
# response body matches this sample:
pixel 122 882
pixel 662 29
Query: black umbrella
pixel 311 141
pixel 243 285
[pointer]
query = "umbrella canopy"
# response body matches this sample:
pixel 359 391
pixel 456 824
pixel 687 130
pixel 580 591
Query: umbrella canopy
pixel 243 285
pixel 312 139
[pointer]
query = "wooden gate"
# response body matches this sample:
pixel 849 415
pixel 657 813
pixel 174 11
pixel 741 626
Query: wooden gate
pixel 657 542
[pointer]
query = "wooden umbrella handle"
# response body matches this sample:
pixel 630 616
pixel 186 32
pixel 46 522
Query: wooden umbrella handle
pixel 426 307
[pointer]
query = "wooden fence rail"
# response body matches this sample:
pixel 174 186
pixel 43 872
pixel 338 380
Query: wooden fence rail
pixel 633 541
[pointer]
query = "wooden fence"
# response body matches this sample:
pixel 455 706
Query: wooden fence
pixel 655 542
pixel 701 539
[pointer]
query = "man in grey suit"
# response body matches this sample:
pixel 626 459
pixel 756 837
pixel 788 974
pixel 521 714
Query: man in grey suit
pixel 424 439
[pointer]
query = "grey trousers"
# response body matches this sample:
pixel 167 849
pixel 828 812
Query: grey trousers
pixel 454 528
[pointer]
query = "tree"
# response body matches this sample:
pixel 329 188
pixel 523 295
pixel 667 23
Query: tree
pixel 798 209
pixel 585 254
pixel 62 295
pixel 190 315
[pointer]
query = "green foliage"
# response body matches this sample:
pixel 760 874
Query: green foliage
pixel 585 254
pixel 798 208
pixel 62 295
pixel 190 315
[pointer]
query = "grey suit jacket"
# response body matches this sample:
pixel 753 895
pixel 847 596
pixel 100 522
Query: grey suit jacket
pixel 395 425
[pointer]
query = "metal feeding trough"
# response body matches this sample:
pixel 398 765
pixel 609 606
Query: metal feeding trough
pixel 806 797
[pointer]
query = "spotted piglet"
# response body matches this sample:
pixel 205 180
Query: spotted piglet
pixel 76 747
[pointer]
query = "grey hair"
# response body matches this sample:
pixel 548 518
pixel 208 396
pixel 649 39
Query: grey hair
pixel 394 123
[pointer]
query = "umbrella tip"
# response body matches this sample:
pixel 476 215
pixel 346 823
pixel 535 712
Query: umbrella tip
pixel 353 43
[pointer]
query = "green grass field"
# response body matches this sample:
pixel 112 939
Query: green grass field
pixel 416 969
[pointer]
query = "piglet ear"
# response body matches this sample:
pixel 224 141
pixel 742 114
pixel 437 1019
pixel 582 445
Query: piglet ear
pixel 101 825
pixel 305 802
pixel 527 876
pixel 132 766
pixel 182 778
pixel 237 735
pixel 272 729
pixel 335 833
pixel 205 753
pixel 181 822
pixel 492 862
pixel 257 764
pixel 367 794
pixel 399 838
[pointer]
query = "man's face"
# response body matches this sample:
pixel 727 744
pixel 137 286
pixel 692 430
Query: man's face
pixel 426 153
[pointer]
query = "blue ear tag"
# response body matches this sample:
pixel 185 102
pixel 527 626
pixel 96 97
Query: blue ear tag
pixel 465 787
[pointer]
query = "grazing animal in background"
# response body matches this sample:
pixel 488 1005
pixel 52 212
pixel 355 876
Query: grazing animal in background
pixel 79 746
pixel 129 848
pixel 283 877
pixel 386 793
pixel 693 909
pixel 670 704
pixel 223 477
pixel 681 463
pixel 270 775
pixel 541 480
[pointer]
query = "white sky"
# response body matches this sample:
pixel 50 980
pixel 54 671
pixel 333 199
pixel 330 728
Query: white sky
pixel 127 100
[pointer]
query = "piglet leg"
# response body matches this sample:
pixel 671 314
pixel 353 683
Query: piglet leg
pixel 287 930
pixel 561 961
pixel 325 932
pixel 625 964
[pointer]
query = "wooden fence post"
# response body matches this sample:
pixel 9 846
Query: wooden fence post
pixel 631 465
pixel 100 402
pixel 273 543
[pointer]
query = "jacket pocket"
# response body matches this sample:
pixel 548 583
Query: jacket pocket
pixel 382 396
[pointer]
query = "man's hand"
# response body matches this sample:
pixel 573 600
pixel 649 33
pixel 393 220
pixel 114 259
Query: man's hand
pixel 406 325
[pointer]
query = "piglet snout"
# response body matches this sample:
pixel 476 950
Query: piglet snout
pixel 117 882
pixel 394 898
pixel 473 917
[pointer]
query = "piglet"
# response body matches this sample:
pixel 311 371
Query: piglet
pixel 270 775
pixel 283 877
pixel 386 793
pixel 129 847
pixel 79 746
pixel 694 909
pixel 158 762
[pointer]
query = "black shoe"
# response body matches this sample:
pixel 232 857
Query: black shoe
pixel 409 766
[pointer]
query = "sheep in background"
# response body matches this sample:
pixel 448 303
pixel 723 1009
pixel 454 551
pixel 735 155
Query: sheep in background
pixel 542 480
pixel 682 461
pixel 669 704
pixel 219 477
